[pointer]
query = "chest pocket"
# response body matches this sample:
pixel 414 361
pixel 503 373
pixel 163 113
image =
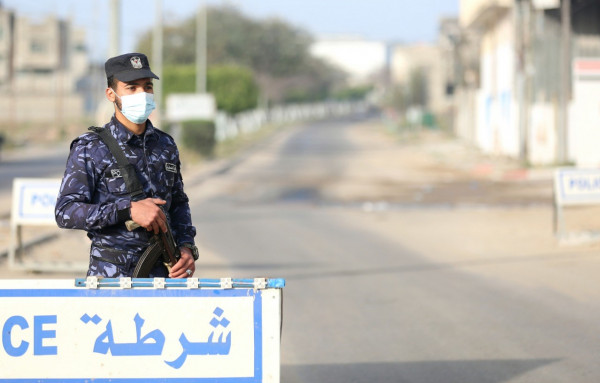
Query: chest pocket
pixel 115 183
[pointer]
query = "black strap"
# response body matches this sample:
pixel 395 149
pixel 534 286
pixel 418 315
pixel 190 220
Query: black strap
pixel 132 182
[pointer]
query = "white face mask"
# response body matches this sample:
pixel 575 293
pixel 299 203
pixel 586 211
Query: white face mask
pixel 137 107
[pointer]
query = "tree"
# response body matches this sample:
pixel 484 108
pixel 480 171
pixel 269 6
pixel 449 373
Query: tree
pixel 234 87
pixel 276 52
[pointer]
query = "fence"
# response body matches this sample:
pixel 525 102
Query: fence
pixel 228 127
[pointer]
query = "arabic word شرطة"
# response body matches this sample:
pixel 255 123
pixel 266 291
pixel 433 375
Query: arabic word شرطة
pixel 152 343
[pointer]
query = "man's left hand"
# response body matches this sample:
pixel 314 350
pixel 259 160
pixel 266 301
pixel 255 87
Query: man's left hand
pixel 185 263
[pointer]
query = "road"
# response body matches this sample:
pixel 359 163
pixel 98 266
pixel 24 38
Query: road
pixel 414 260
pixel 32 162
pixel 398 293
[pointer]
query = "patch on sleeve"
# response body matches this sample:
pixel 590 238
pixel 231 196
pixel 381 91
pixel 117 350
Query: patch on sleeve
pixel 113 173
pixel 171 167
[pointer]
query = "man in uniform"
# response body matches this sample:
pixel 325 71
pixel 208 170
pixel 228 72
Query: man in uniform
pixel 93 194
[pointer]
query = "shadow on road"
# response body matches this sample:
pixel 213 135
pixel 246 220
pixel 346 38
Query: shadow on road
pixel 433 266
pixel 461 371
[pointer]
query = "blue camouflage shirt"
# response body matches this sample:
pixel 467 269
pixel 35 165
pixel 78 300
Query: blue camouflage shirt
pixel 94 199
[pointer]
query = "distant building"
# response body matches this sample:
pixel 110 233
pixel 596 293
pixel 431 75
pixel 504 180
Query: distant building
pixel 7 21
pixel 418 69
pixel 41 64
pixel 425 76
pixel 518 99
pixel 363 60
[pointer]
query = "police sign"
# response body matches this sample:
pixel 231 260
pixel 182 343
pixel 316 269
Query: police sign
pixel 34 200
pixel 32 204
pixel 141 331
pixel 573 186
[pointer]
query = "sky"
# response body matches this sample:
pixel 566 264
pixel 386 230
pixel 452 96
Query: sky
pixel 385 20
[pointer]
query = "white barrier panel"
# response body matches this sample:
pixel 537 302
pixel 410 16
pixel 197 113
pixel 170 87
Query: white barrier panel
pixel 191 106
pixel 33 203
pixel 34 200
pixel 577 186
pixel 53 331
pixel 574 186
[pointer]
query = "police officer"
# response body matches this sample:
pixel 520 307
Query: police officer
pixel 93 194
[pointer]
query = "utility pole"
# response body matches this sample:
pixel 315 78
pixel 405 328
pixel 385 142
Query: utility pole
pixel 201 20
pixel 565 82
pixel 157 51
pixel 114 47
pixel 524 14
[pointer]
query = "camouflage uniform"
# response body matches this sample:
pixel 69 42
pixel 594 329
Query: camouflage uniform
pixel 94 199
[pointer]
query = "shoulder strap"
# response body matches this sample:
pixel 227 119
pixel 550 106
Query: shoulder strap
pixel 130 176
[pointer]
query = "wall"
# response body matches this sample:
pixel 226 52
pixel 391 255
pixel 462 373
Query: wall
pixel 584 119
pixel 476 11
pixel 542 133
pixel 6 39
pixel 40 108
pixel 497 129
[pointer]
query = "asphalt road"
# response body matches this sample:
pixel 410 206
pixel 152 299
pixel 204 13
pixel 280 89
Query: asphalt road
pixel 364 305
pixel 389 279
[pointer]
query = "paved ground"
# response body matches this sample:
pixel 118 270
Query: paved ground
pixel 452 282
pixel 497 201
pixel 409 258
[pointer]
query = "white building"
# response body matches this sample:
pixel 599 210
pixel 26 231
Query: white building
pixel 517 104
pixel 363 60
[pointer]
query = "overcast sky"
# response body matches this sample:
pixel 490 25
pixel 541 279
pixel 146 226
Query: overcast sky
pixel 386 20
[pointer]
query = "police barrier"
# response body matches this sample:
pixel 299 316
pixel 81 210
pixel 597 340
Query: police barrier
pixel 573 187
pixel 140 330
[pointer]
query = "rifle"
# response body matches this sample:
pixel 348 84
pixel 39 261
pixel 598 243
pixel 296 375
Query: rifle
pixel 162 246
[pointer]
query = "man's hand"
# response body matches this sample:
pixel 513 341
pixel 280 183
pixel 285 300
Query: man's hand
pixel 148 215
pixel 186 262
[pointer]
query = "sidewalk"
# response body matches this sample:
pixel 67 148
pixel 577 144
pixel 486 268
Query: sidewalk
pixel 433 169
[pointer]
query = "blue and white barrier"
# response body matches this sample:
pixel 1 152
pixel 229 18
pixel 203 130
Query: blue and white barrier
pixel 140 330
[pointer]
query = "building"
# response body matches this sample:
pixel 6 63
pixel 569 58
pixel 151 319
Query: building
pixel 534 91
pixel 7 22
pixel 41 64
pixel 426 75
pixel 363 60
